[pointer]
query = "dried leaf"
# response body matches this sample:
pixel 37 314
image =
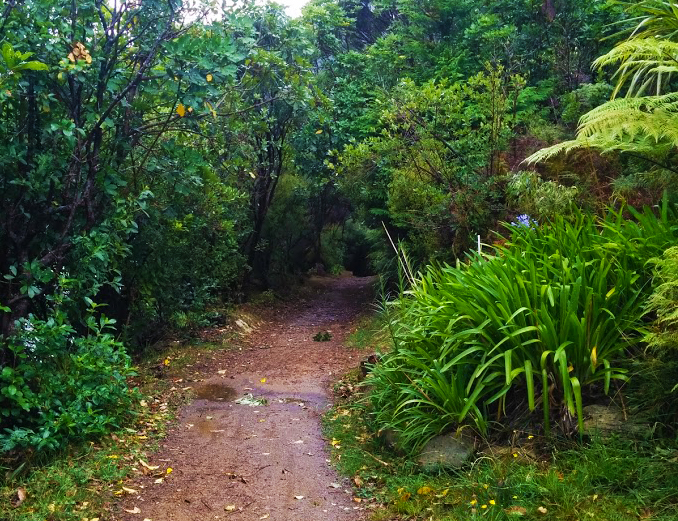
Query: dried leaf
pixel 130 490
pixel 149 467
pixel 265 516
pixel 21 496
pixel 542 510
pixel 334 485
pixel 229 508
pixel 358 481
pixel 135 510
pixel 424 491
pixel 516 511
pixel 298 497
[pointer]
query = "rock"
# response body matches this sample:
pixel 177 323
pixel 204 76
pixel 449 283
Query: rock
pixel 243 325
pixel 606 419
pixel 389 437
pixel 445 450
pixel 367 364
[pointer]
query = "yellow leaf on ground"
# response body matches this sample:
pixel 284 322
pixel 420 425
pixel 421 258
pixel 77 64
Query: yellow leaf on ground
pixel 169 470
pixel 149 467
pixel 424 491
pixel 229 508
pixel 181 110
pixel 209 77
pixel 135 510
pixel 263 380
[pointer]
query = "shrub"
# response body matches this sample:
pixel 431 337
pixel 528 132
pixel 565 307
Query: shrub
pixel 62 386
pixel 550 315
pixel 664 301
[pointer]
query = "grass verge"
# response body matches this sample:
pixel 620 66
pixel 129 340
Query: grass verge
pixel 606 480
pixel 369 332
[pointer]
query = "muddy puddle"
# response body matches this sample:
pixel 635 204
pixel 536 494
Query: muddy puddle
pixel 215 393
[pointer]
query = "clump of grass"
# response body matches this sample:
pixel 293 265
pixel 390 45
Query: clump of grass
pixel 546 321
pixel 610 481
pixel 322 336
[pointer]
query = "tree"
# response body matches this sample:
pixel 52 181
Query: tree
pixel 640 124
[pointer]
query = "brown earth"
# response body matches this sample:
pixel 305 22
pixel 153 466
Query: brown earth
pixel 244 463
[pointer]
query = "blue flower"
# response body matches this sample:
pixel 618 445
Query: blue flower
pixel 526 221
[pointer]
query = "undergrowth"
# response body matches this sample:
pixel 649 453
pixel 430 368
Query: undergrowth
pixel 605 480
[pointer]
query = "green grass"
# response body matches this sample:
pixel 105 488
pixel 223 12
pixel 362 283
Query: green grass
pixel 369 333
pixel 611 481
pixel 71 486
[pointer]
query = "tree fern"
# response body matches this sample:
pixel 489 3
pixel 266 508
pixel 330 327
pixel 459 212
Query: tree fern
pixel 639 123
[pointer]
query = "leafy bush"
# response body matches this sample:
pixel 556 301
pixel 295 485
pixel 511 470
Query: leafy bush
pixel 550 316
pixel 542 199
pixel 62 386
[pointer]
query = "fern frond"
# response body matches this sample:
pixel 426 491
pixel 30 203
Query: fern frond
pixel 644 62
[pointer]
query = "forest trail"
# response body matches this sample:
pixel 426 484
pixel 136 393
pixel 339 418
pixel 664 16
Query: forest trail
pixel 243 463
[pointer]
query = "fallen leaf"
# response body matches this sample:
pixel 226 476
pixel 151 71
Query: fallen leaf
pixel 169 470
pixel 298 497
pixel 318 131
pixel 424 491
pixel 298 441
pixel 159 480
pixel 181 110
pixel 542 510
pixel 130 490
pixel 334 485
pixel 263 380
pixel 265 516
pixel 357 499
pixel 516 511
pixel 358 481
pixel 143 403
pixel 229 508
pixel 209 77
pixel 222 371
pixel 135 510
pixel 149 467
pixel 21 496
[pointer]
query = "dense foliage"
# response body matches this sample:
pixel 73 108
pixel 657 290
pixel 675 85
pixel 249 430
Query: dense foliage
pixel 161 159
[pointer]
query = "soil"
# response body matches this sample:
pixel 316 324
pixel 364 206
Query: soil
pixel 244 463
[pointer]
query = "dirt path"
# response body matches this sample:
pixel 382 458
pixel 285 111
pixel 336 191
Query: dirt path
pixel 243 463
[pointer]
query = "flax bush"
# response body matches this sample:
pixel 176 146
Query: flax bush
pixel 550 315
